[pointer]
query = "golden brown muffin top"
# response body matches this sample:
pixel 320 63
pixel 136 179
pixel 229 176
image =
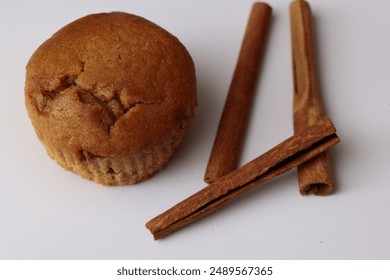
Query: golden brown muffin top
pixel 110 84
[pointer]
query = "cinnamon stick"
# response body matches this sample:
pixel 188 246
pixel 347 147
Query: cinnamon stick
pixel 315 176
pixel 228 141
pixel 288 154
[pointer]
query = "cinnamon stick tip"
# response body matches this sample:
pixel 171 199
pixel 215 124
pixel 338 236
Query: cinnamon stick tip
pixel 262 5
pixel 261 9
pixel 149 226
pixel 299 4
pixel 320 189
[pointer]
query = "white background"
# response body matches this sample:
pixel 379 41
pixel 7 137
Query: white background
pixel 49 213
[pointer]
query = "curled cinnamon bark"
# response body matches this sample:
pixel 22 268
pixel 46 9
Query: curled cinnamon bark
pixel 228 140
pixel 292 152
pixel 315 176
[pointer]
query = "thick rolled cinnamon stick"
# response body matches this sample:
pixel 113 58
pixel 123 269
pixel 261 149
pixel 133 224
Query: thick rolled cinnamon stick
pixel 315 176
pixel 228 141
pixel 292 152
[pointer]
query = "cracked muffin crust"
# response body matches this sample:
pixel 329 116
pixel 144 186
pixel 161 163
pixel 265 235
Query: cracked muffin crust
pixel 111 97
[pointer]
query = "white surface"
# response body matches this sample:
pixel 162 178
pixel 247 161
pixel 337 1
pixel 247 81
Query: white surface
pixel 48 213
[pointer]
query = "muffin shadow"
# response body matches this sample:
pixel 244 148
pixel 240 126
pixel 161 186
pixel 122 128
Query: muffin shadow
pixel 196 145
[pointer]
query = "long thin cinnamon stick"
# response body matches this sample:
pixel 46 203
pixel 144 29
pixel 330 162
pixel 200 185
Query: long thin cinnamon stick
pixel 288 154
pixel 228 141
pixel 315 176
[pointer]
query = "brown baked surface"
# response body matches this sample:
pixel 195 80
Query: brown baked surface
pixel 110 85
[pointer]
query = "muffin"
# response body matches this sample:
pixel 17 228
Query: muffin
pixel 111 97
